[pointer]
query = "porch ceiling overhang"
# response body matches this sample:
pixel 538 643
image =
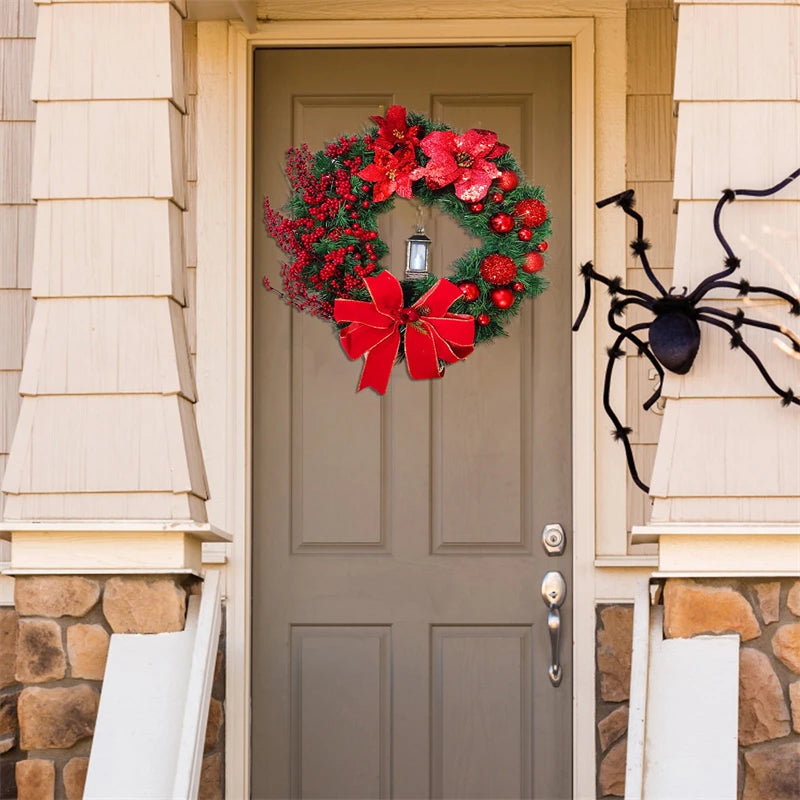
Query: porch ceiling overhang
pixel 244 10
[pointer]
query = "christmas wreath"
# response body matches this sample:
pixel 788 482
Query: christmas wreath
pixel 330 232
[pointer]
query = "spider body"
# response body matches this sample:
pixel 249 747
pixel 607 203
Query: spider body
pixel 674 333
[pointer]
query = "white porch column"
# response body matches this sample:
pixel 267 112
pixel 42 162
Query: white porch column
pixel 726 482
pixel 106 454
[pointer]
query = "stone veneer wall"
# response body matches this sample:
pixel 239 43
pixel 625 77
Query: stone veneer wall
pixel 614 646
pixel 53 648
pixel 766 614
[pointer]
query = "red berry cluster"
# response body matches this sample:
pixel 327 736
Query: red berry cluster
pixel 320 271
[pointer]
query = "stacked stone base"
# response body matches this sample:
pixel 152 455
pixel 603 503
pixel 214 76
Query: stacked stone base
pixel 53 649
pixel 766 614
pixel 614 647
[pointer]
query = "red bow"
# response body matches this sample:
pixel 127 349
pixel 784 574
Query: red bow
pixel 431 334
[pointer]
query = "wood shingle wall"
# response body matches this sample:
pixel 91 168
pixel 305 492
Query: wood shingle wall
pixel 728 451
pixel 651 37
pixel 17 212
pixel 107 427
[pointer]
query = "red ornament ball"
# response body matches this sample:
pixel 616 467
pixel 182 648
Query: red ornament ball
pixel 501 222
pixel 502 298
pixel 483 319
pixel 518 287
pixel 470 291
pixel 498 269
pixel 533 262
pixel 476 208
pixel 496 197
pixel 524 234
pixel 508 180
pixel 532 212
pixel 542 246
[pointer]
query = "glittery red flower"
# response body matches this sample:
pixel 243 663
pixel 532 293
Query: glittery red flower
pixel 390 172
pixel 393 129
pixel 463 159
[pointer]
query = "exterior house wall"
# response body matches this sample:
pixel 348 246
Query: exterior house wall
pixel 106 428
pixel 17 218
pixel 650 141
pixel 728 451
pixel 650 132
pixel 17 212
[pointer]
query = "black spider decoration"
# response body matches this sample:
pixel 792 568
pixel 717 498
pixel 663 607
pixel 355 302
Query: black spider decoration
pixel 674 333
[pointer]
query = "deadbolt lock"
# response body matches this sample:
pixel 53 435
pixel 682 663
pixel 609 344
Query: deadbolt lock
pixel 554 539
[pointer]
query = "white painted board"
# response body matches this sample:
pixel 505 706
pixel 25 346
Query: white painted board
pixel 692 719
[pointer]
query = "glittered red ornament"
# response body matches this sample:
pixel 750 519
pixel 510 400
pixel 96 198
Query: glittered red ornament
pixel 532 212
pixel 483 319
pixel 498 269
pixel 518 287
pixel 496 197
pixel 470 291
pixel 501 222
pixel 524 234
pixel 508 180
pixel 502 298
pixel 533 262
pixel 476 208
pixel 542 246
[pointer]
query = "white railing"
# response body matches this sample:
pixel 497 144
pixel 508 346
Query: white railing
pixel 148 741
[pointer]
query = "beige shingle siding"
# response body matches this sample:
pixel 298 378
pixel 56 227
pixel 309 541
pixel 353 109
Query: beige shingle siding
pixel 728 451
pixel 106 425
pixel 17 212
pixel 651 37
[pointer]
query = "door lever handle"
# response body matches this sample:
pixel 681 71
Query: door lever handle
pixel 554 591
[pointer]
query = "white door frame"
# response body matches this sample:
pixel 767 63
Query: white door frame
pixel 224 272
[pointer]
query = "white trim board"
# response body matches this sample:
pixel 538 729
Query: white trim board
pixel 223 303
pixel 160 684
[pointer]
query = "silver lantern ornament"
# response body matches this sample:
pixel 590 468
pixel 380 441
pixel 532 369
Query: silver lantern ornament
pixel 418 247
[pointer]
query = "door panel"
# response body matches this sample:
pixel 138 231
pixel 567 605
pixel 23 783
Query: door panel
pixel 400 647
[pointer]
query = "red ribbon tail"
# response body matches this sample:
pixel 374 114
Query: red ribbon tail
pixel 378 363
pixel 423 362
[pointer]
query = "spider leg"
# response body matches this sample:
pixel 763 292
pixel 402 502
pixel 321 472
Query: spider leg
pixel 621 433
pixel 737 342
pixel 731 260
pixel 744 289
pixel 614 285
pixel 738 319
pixel 642 346
pixel 772 189
pixel 639 245
pixel 587 295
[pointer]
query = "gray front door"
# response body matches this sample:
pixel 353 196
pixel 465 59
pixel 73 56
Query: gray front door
pixel 400 646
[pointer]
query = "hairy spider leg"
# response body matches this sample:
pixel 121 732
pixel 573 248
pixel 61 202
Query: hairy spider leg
pixel 620 432
pixel 738 319
pixel 639 245
pixel 737 342
pixel 614 287
pixel 744 288
pixel 642 346
pixel 772 189
pixel 732 261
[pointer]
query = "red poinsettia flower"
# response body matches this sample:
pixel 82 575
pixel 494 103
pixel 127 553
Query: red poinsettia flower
pixel 463 159
pixel 393 129
pixel 390 172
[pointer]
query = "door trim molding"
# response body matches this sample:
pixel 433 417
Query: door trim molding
pixel 224 273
